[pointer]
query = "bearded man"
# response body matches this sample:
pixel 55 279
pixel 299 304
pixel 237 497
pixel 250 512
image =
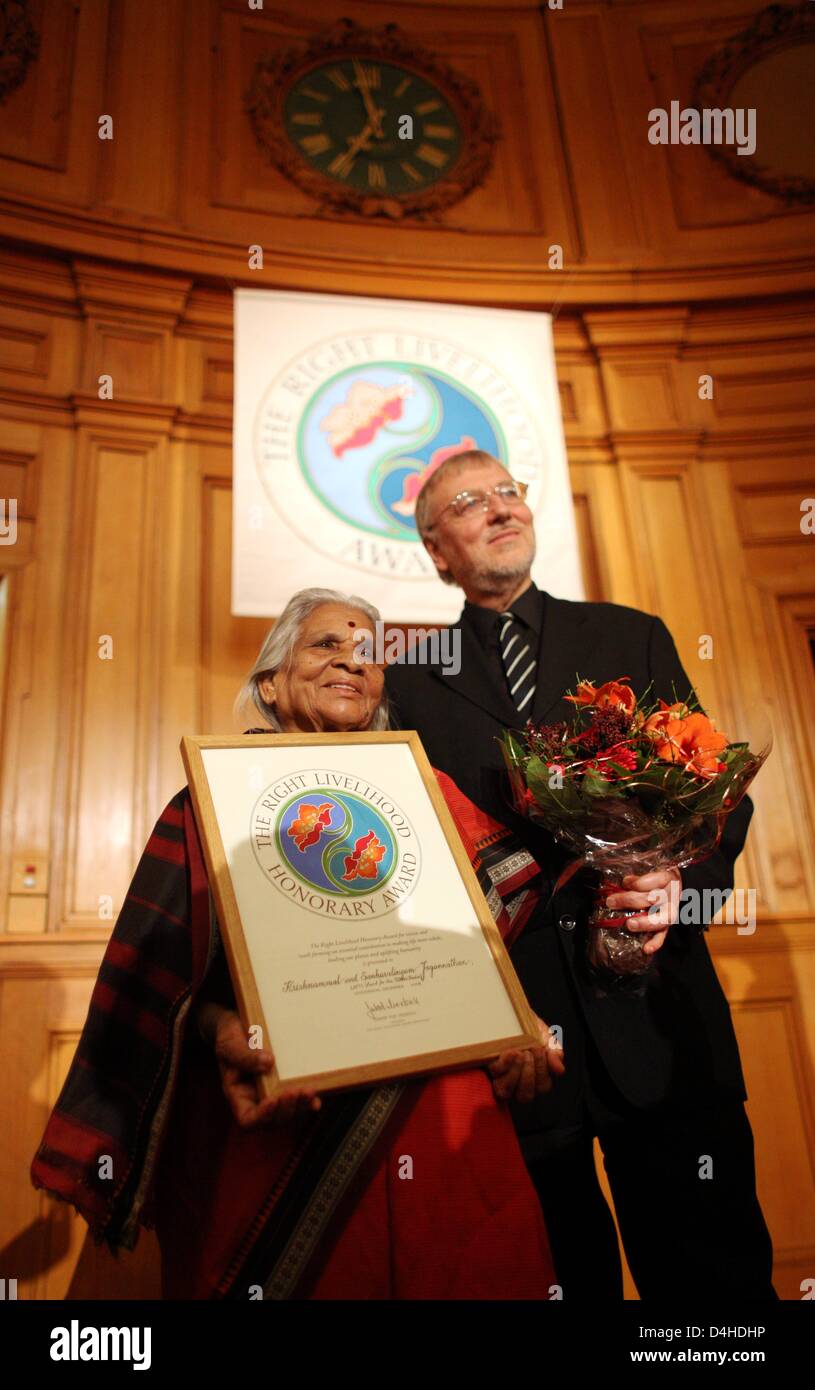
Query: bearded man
pixel 654 1073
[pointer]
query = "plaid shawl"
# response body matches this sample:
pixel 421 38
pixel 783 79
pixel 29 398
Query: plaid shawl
pixel 102 1141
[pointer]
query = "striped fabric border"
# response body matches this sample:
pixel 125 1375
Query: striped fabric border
pixel 315 1217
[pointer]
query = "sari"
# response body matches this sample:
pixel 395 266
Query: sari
pixel 405 1190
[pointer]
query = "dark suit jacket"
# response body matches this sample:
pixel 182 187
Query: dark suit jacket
pixel 674 1041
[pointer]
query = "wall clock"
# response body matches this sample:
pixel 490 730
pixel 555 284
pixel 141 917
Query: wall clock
pixel 368 122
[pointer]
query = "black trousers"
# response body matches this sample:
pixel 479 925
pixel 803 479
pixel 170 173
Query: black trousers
pixel 683 1183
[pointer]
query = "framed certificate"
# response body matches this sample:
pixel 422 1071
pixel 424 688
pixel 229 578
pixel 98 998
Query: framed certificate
pixel 358 939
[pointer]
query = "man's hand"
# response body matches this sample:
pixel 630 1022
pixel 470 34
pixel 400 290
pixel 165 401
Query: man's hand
pixel 240 1065
pixel 658 894
pixel 525 1073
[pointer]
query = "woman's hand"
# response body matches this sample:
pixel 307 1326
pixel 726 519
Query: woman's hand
pixel 240 1065
pixel 525 1073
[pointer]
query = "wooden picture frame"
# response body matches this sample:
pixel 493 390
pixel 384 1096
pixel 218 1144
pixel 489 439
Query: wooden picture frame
pixel 249 820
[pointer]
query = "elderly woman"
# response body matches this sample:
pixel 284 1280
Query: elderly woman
pixel 160 1121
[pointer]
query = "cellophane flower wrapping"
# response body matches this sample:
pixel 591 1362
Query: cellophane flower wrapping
pixel 628 786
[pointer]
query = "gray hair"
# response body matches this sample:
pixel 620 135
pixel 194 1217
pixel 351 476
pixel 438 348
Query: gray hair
pixel 277 650
pixel 453 464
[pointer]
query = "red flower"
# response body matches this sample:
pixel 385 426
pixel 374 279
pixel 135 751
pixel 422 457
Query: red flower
pixel 613 694
pixel 622 755
pixel 310 823
pixel 366 856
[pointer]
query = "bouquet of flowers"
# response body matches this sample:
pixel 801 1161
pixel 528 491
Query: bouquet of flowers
pixel 630 787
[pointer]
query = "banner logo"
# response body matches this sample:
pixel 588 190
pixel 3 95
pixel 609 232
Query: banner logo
pixel 367 419
pixel 369 439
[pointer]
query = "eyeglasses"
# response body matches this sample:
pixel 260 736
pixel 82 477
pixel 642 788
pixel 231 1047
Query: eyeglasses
pixel 468 503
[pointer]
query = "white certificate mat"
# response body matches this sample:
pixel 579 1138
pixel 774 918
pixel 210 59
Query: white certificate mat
pixel 357 936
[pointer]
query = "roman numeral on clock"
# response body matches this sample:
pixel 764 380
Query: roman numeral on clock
pixel 315 144
pixel 369 74
pixel 431 155
pixel 340 165
pixel 337 76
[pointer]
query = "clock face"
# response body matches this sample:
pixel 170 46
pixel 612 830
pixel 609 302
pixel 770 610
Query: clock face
pixel 372 126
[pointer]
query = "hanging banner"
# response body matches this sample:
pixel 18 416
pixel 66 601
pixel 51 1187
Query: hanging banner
pixel 344 406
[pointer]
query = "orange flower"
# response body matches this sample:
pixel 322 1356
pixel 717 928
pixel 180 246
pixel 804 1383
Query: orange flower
pixel 693 742
pixel 612 695
pixel 310 823
pixel 656 722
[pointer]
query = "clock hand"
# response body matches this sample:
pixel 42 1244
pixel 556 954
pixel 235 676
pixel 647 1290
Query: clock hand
pixel 359 142
pixel 374 113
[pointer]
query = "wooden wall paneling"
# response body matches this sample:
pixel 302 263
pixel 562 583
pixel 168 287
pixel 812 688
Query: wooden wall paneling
pixel 704 200
pixel 33 653
pixel 772 475
pixel 132 1274
pixel 757 466
pixel 230 644
pixel 529 190
pixel 49 143
pixel 40 326
pixel 761 358
pixel 795 624
pixel 64 1230
pixel 593 581
pixel 200 440
pixel 771 988
pixel 659 485
pixel 144 93
pixel 746 692
pixel 42 1010
pixel 609 207
pixel 785 652
pixel 601 522
pixel 750 577
pixel 114 595
pixel 612 574
pixel 130 318
pixel 204 360
pixel 637 351
pixel 179 654
pixel 582 400
pixel 572 88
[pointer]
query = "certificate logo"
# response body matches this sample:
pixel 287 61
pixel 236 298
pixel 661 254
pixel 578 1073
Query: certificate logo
pixel 335 843
pixel 348 433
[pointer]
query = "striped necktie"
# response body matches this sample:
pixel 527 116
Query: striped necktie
pixel 519 661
